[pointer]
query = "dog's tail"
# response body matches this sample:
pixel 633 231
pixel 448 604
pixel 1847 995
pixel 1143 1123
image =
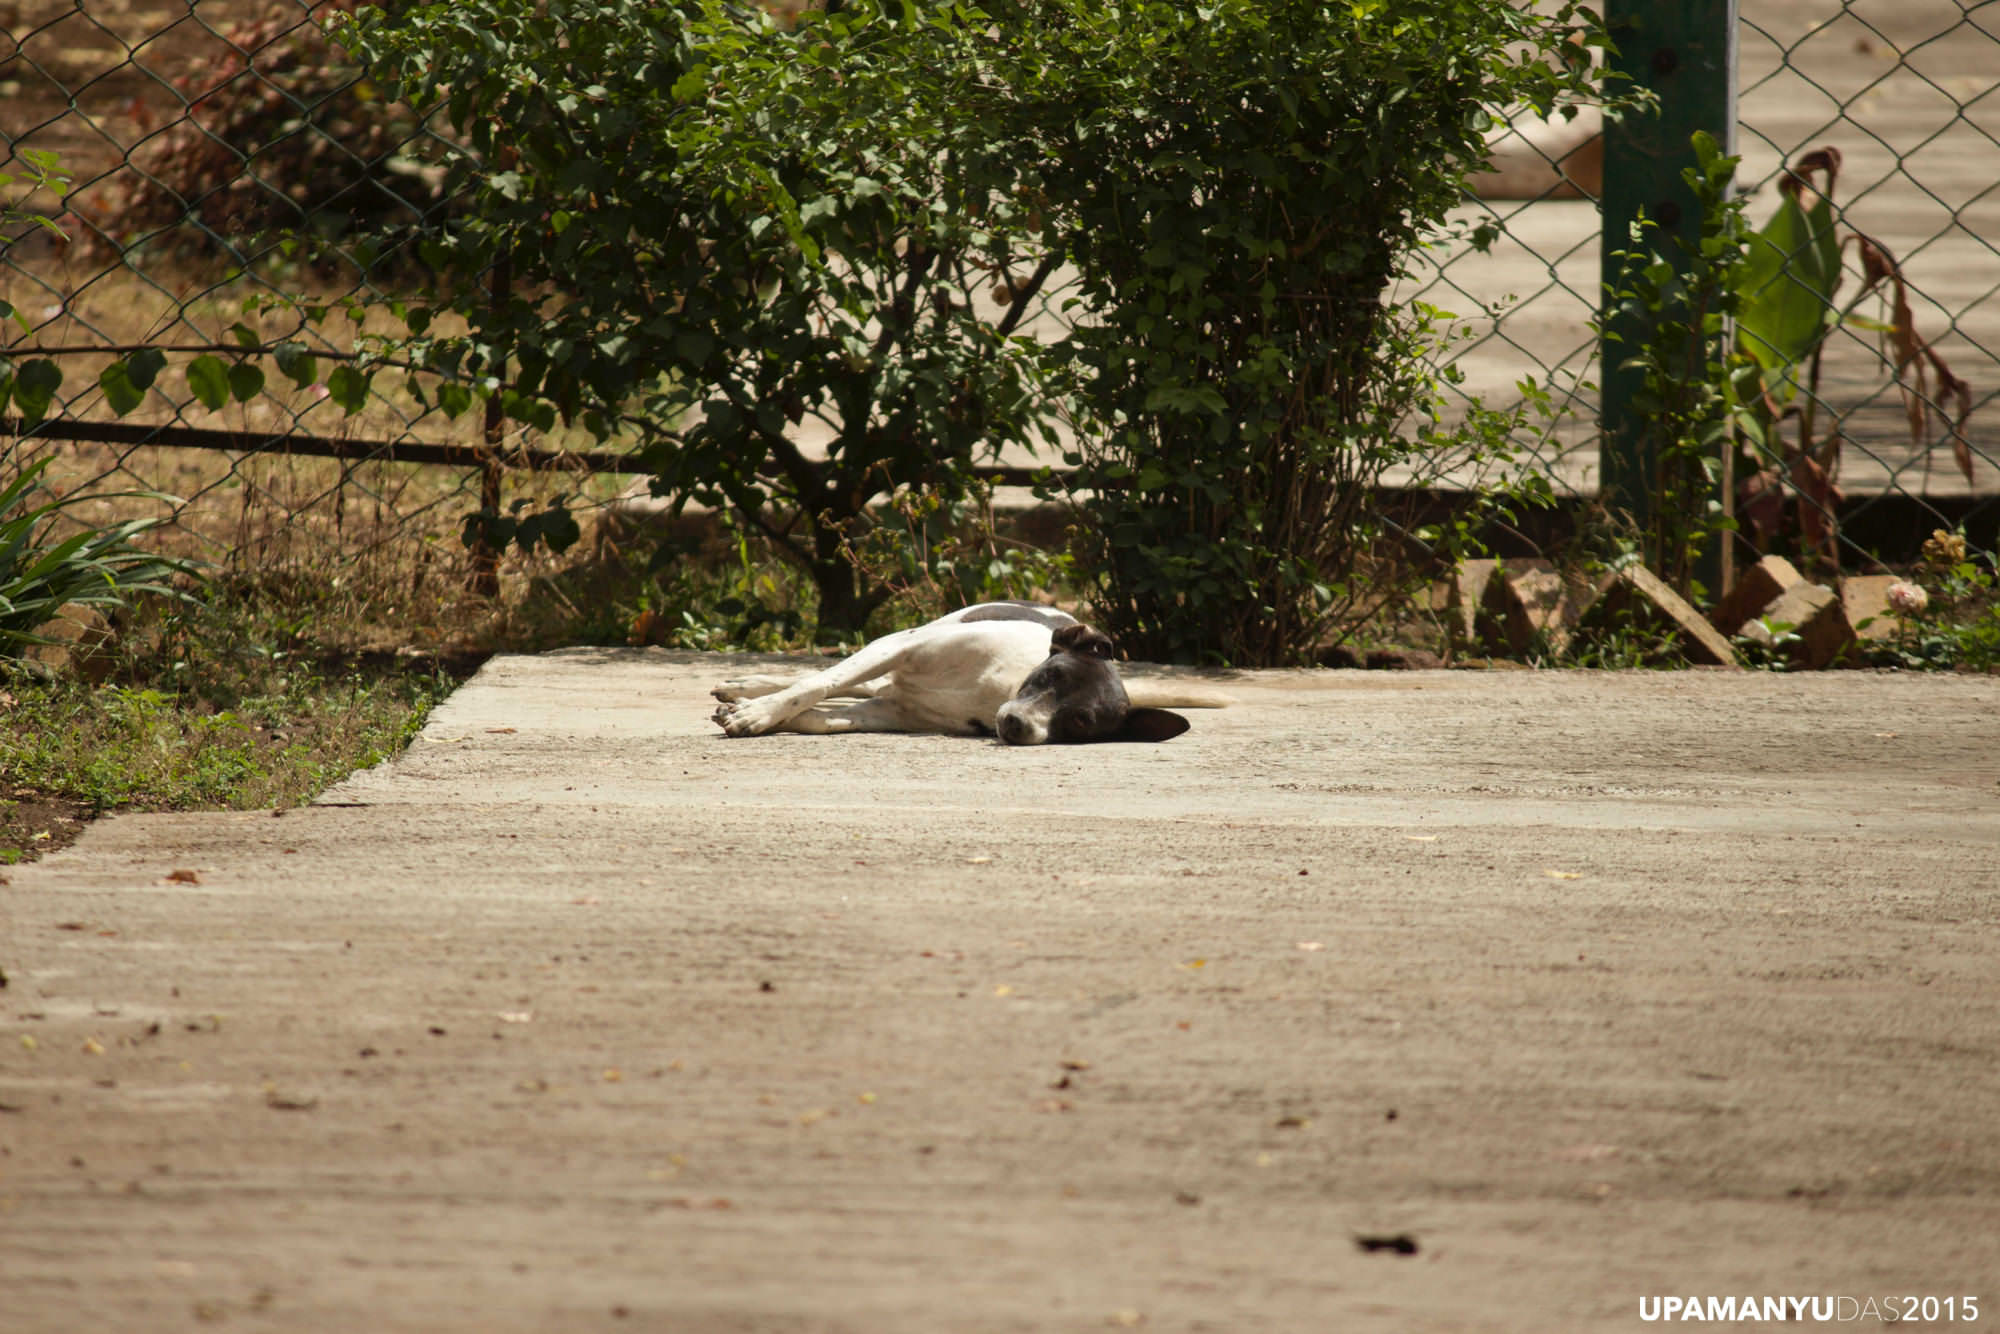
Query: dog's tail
pixel 1174 695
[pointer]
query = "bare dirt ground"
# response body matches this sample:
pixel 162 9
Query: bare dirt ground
pixel 1591 989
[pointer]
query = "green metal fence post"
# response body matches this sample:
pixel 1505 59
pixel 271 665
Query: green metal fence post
pixel 1686 53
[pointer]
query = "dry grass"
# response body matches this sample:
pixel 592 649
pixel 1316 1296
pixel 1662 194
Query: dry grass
pixel 388 534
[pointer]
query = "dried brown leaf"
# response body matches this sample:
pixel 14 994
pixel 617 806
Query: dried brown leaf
pixel 1760 501
pixel 1818 497
pixel 1957 394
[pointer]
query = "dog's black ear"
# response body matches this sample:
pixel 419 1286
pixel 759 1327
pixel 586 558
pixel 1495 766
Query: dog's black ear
pixel 1082 639
pixel 1149 725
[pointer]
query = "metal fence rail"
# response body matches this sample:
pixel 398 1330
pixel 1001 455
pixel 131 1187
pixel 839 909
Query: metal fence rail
pixel 193 131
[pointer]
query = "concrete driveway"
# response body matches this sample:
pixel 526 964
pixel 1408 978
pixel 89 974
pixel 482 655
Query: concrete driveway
pixel 1397 1001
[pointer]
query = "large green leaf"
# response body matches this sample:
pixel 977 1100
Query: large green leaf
pixel 1788 289
pixel 101 566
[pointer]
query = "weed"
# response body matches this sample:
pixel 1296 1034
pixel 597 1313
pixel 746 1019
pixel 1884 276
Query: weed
pixel 1953 624
pixel 41 572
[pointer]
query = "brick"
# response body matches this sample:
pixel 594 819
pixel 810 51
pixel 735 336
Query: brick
pixel 1529 600
pixel 1816 615
pixel 1637 593
pixel 1865 597
pixel 1754 590
pixel 1465 600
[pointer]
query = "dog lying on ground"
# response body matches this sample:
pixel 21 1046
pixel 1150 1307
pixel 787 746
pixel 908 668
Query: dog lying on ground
pixel 1021 671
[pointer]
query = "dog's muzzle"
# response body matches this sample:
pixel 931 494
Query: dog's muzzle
pixel 1019 724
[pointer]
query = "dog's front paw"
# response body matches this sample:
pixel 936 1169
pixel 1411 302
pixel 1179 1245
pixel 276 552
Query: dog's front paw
pixel 744 718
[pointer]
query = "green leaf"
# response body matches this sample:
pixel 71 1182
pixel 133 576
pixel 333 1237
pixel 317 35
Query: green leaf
pixel 454 398
pixel 694 347
pixel 208 381
pixel 144 366
pixel 1792 269
pixel 35 385
pixel 295 361
pixel 348 387
pixel 120 393
pixel 560 530
pixel 245 381
pixel 484 528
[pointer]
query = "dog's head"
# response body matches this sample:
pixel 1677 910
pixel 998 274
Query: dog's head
pixel 1075 695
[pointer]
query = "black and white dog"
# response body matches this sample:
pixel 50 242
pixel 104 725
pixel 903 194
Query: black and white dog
pixel 1025 672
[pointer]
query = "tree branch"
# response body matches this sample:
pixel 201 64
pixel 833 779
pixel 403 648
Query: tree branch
pixel 920 266
pixel 1027 292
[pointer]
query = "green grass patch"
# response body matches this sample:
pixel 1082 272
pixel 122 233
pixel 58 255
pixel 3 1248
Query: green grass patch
pixel 208 713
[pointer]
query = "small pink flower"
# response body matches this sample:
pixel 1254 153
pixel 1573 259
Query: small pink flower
pixel 1907 599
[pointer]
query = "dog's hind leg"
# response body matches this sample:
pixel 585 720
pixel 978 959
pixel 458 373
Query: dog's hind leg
pixel 753 687
pixel 863 715
pixel 766 713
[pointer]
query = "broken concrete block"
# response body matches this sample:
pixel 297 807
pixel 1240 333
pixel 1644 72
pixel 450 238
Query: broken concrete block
pixel 1865 598
pixel 1815 614
pixel 1465 603
pixel 1637 594
pixel 1754 590
pixel 1529 600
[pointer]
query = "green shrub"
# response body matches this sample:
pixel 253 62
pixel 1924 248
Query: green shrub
pixel 715 229
pixel 1243 183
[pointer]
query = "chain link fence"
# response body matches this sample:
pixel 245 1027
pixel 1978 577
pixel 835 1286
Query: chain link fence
pixel 1909 94
pixel 193 133
pixel 195 137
